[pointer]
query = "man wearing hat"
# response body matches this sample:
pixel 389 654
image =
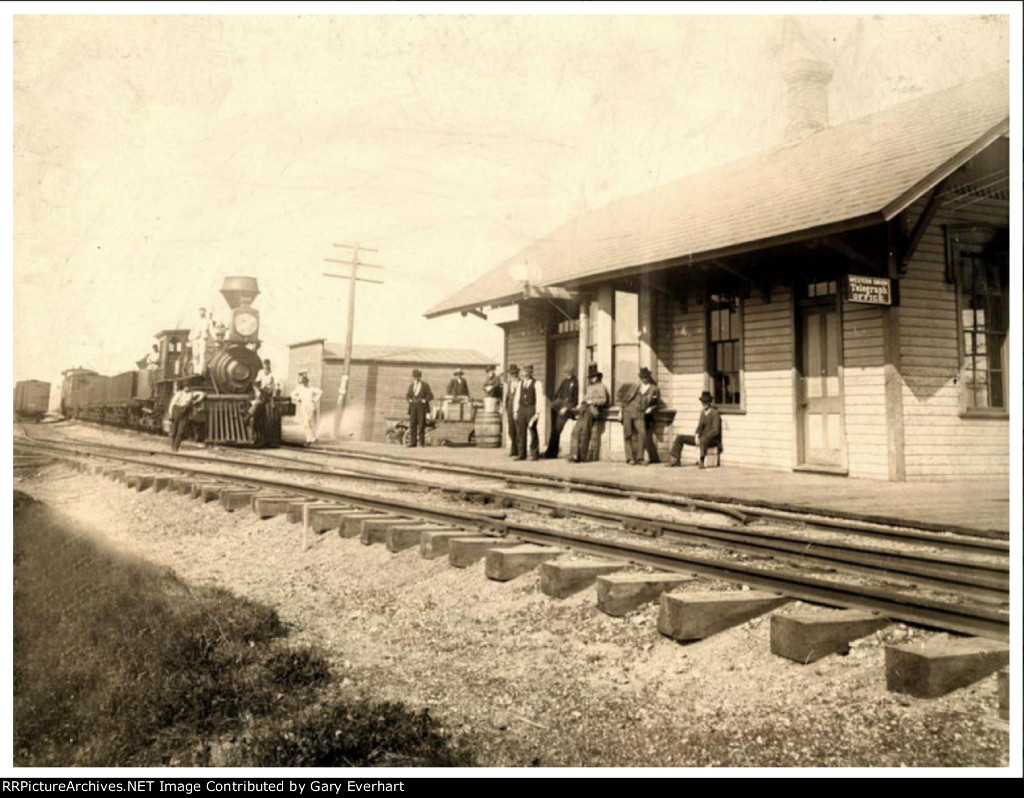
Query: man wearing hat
pixel 708 433
pixel 526 416
pixel 566 398
pixel 639 402
pixel 418 396
pixel 457 385
pixel 307 406
pixel 492 385
pixel 511 399
pixel 587 414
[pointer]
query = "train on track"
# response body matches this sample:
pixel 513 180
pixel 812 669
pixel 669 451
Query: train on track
pixel 140 399
pixel 31 399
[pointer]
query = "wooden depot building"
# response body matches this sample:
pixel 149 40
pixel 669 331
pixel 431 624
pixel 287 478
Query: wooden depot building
pixel 844 296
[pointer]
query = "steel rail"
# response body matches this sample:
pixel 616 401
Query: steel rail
pixel 959 617
pixel 986 581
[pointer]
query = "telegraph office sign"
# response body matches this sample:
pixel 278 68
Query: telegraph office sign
pixel 868 290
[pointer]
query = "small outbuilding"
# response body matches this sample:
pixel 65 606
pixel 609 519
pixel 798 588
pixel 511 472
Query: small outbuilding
pixel 380 376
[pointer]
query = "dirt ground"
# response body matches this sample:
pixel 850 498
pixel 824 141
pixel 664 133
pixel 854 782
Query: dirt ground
pixel 538 681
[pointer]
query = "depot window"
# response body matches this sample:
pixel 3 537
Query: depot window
pixel 979 266
pixel 725 348
pixel 626 339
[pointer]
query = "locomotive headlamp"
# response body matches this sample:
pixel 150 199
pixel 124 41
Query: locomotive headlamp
pixel 246 324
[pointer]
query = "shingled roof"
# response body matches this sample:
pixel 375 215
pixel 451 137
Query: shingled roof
pixel 402 354
pixel 858 173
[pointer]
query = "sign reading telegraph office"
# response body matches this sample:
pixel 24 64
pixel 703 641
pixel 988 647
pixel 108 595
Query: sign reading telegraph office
pixel 868 290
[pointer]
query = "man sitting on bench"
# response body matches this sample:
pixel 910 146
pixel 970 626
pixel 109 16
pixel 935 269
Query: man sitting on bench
pixel 708 433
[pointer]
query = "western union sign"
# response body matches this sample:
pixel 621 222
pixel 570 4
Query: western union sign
pixel 869 290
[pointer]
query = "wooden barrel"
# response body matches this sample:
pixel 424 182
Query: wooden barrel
pixel 488 430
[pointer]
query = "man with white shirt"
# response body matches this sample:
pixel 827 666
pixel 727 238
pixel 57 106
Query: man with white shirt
pixel 511 403
pixel 307 406
pixel 526 416
pixel 199 337
pixel 419 397
pixel 266 382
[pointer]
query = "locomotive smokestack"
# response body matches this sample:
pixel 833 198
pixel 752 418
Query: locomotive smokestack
pixel 239 290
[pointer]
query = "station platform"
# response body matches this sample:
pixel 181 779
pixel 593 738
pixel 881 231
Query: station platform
pixel 979 506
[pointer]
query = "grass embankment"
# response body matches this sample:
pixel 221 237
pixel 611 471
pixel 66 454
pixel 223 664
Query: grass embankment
pixel 118 662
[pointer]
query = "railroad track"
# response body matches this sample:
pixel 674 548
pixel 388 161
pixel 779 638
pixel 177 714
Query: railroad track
pixel 985 580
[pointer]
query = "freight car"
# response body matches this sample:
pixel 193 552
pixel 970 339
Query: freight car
pixel 31 399
pixel 140 399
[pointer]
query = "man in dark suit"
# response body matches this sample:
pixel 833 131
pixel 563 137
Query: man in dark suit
pixel 511 398
pixel 526 416
pixel 419 397
pixel 639 402
pixel 708 433
pixel 566 398
pixel 457 385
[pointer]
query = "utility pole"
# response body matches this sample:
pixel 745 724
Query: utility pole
pixel 352 277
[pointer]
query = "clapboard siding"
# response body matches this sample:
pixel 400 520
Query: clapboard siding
pixel 939 443
pixel 526 344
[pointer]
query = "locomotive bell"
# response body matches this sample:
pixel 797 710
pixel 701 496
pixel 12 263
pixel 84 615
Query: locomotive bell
pixel 239 291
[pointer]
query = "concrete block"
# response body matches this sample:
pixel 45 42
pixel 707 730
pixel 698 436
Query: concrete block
pixel 928 670
pixel 181 485
pixel 375 530
pixel 197 488
pixel 94 468
pixel 694 616
pixel 232 500
pixel 503 565
pixel 618 594
pixel 464 552
pixel 322 520
pixel 806 637
pixel 563 579
pixel 269 505
pixel 161 483
pixel 294 511
pixel 211 493
pixel 1003 693
pixel 115 474
pixel 399 538
pixel 139 481
pixel 434 544
pixel 352 524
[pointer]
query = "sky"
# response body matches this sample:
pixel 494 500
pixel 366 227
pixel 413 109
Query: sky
pixel 155 155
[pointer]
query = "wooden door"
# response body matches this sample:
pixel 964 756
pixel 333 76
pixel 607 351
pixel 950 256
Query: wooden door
pixel 820 413
pixel 566 353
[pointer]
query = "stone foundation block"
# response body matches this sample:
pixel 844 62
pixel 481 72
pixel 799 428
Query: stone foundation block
pixel 181 485
pixel 400 538
pixel 694 616
pixel 295 507
pixel 1003 693
pixel 232 500
pixel 352 524
pixel 563 579
pixel 503 565
pixel 322 520
pixel 464 552
pixel 211 493
pixel 375 530
pixel 928 670
pixel 269 506
pixel 139 481
pixel 806 637
pixel 161 483
pixel 435 543
pixel 618 594
pixel 115 474
pixel 197 488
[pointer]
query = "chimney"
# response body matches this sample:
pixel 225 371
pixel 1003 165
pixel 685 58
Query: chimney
pixel 807 76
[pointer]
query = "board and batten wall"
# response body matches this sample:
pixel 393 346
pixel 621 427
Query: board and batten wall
pixel 940 443
pixel 526 343
pixel 764 435
pixel 863 385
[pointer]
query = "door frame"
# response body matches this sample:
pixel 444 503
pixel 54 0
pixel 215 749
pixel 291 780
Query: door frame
pixel 800 302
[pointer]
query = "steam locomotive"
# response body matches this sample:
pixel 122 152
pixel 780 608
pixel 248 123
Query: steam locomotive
pixel 141 399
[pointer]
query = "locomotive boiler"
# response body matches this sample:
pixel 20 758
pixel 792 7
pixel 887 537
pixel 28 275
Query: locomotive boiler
pixel 141 399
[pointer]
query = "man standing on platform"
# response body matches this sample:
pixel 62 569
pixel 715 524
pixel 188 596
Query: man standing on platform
pixel 419 397
pixel 307 407
pixel 587 415
pixel 708 434
pixel 566 398
pixel 511 399
pixel 639 403
pixel 526 416
pixel 457 385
